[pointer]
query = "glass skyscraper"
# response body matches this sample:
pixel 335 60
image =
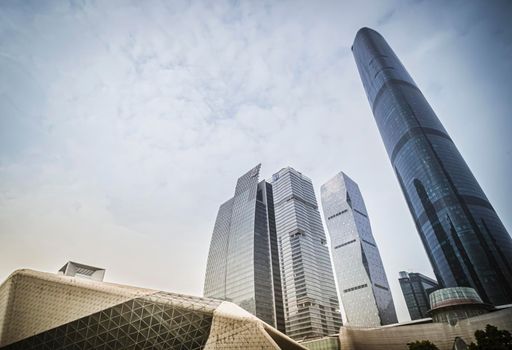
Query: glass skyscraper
pixel 243 262
pixel 416 289
pixel 362 283
pixel 463 236
pixel 309 291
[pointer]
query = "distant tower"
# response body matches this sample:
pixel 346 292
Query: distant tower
pixel 463 236
pixel 416 289
pixel 309 291
pixel 243 262
pixel 362 283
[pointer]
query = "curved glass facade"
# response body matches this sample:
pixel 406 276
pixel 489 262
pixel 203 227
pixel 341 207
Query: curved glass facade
pixel 456 295
pixel 463 236
pixel 449 305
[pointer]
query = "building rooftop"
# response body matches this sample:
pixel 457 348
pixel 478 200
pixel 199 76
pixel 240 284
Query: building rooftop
pixel 40 310
pixel 75 269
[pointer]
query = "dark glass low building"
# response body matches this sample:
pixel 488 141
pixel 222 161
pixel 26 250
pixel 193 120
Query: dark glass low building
pixel 465 240
pixel 416 289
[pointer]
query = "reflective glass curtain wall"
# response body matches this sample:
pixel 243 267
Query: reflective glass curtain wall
pixel 416 289
pixel 463 236
pixel 362 282
pixel 243 263
pixel 309 291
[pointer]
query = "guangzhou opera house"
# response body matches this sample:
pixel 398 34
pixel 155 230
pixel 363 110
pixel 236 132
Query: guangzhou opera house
pixel 63 311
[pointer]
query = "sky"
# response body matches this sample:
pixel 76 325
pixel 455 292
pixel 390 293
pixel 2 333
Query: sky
pixel 124 125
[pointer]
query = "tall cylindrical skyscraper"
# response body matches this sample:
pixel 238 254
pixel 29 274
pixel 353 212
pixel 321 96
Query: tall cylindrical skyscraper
pixel 465 240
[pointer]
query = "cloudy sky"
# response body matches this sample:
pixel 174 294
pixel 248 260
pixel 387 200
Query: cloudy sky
pixel 124 125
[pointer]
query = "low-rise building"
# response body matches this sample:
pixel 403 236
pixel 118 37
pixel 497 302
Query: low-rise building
pixel 53 311
pixel 325 343
pixel 443 335
pixel 449 305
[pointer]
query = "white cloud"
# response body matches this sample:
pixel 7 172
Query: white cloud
pixel 125 125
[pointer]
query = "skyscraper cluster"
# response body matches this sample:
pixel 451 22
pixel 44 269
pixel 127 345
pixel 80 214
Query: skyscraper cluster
pixel 269 253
